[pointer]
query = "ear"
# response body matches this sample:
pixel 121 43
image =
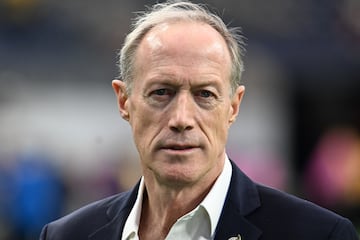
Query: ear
pixel 235 103
pixel 121 97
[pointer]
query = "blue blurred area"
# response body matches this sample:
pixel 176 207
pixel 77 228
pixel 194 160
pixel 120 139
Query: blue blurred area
pixel 63 143
pixel 32 193
pixel 39 194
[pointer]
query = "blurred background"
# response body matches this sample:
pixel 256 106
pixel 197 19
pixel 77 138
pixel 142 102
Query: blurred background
pixel 63 143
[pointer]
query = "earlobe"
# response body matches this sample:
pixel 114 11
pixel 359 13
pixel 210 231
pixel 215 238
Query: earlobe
pixel 121 97
pixel 235 103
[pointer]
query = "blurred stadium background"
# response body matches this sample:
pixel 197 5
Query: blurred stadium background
pixel 63 143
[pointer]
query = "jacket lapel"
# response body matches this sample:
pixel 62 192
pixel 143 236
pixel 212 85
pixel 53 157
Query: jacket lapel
pixel 241 200
pixel 233 224
pixel 117 213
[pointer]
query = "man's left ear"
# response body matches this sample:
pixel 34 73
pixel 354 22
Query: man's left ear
pixel 235 103
pixel 121 97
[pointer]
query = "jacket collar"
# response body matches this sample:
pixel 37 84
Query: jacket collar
pixel 117 213
pixel 241 200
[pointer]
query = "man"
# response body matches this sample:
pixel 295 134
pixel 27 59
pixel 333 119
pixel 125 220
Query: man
pixel 180 92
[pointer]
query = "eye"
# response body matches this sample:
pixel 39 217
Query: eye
pixel 161 95
pixel 162 92
pixel 206 98
pixel 205 94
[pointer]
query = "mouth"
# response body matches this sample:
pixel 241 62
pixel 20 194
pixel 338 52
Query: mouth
pixel 176 147
pixel 179 148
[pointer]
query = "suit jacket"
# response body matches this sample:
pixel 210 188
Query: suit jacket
pixel 253 211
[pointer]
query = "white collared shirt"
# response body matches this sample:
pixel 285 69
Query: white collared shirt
pixel 199 224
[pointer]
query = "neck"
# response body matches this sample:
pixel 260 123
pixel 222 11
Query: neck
pixel 160 217
pixel 163 204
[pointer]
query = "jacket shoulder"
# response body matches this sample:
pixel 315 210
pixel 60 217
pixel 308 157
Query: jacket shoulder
pixel 82 222
pixel 298 218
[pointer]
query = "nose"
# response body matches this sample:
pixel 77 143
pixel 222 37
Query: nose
pixel 182 113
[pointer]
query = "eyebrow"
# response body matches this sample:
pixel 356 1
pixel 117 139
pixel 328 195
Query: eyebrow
pixel 172 80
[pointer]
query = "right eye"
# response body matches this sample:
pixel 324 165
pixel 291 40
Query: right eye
pixel 161 92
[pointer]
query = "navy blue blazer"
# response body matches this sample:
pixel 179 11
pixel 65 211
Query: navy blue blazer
pixel 253 211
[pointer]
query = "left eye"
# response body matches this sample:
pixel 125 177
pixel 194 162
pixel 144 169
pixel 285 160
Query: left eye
pixel 205 94
pixel 161 92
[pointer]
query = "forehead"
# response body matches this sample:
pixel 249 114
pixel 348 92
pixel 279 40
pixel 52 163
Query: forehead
pixel 186 41
pixel 183 36
pixel 185 32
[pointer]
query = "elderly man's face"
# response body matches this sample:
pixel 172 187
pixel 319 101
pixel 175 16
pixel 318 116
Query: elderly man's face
pixel 181 107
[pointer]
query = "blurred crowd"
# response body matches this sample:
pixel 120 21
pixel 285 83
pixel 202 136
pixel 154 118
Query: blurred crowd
pixel 63 143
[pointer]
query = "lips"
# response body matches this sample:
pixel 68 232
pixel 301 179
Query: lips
pixel 179 144
pixel 178 147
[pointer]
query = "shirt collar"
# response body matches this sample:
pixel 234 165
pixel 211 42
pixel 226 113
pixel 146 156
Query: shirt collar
pixel 131 227
pixel 212 203
pixel 214 200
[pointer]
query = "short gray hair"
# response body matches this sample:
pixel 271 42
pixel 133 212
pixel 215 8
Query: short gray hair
pixel 174 11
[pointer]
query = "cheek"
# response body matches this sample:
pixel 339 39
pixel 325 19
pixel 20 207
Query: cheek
pixel 217 128
pixel 144 124
pixel 222 131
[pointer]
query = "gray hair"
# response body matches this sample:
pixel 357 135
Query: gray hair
pixel 174 11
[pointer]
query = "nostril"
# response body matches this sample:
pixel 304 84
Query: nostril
pixel 174 129
pixel 180 128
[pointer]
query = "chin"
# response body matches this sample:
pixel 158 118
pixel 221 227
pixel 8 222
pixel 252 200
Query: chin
pixel 180 175
pixel 176 181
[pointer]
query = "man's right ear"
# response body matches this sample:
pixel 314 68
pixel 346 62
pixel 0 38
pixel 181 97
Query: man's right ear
pixel 121 97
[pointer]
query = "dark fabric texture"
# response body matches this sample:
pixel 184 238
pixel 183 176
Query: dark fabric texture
pixel 253 211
